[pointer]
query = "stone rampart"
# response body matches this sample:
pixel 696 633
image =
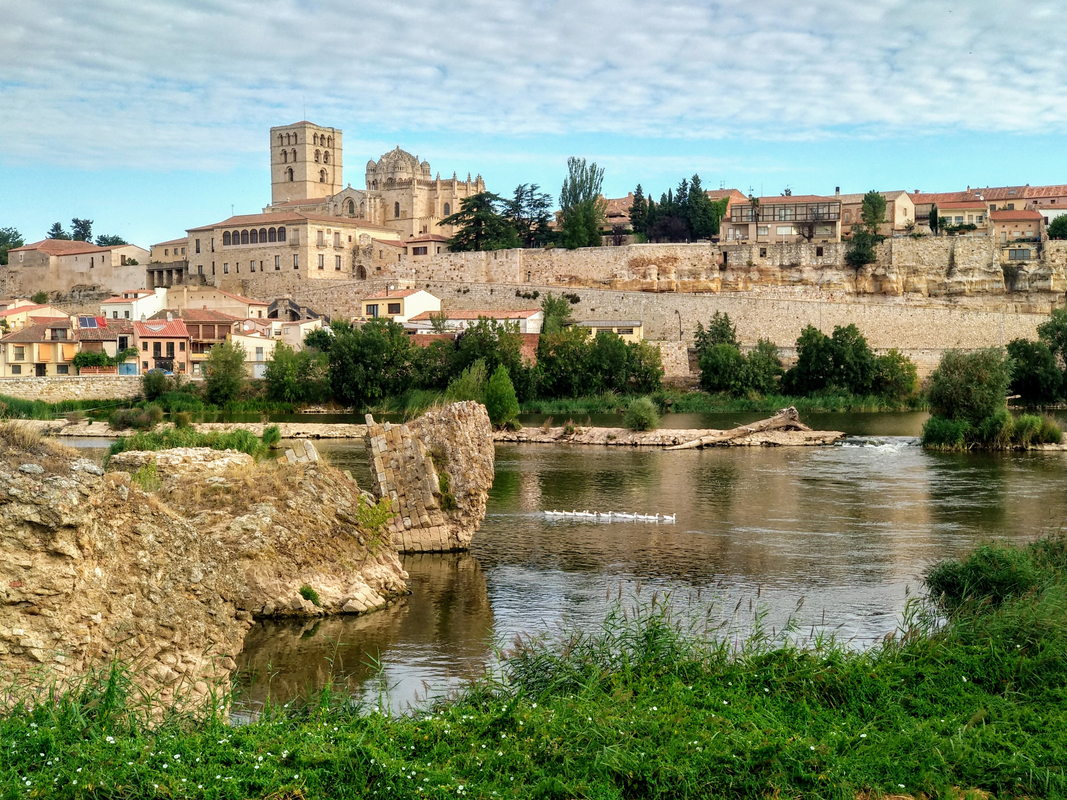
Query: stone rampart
pixel 54 389
pixel 437 470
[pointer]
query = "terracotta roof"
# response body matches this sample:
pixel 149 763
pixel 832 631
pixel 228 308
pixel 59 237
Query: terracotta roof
pixel 274 217
pixel 618 206
pixel 96 334
pixel 494 314
pixel 964 205
pixel 858 198
pixel 161 329
pixel 719 194
pixel 427 237
pixel 796 198
pixel 921 198
pixel 392 293
pixel 61 247
pixel 181 241
pixel 1005 216
pixel 206 315
pixel 7 312
pixel 389 241
pixel 51 319
pixel 1059 190
pixel 35 333
pixel 119 299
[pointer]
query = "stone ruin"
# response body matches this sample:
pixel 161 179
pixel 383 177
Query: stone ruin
pixel 437 470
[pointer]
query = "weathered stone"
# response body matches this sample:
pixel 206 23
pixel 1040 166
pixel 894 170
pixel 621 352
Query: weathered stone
pixel 32 469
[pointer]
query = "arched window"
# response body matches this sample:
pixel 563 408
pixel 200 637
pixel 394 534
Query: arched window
pixel 272 235
pixel 262 235
pixel 289 173
pixel 281 138
pixel 235 237
pixel 322 176
pixel 318 156
pixel 362 209
pixel 225 238
pixel 285 156
pixel 448 210
pixel 351 208
pixel 253 237
pixel 288 138
pixel 315 138
pixel 244 237
pixel 848 216
pixel 396 210
pixel 326 157
pixel 281 234
pixel 374 184
pixel 292 155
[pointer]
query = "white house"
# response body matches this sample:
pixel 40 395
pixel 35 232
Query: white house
pixel 134 304
pixel 527 320
pixel 399 305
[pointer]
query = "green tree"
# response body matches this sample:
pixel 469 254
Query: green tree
pixel 562 363
pixel 557 311
pixel 225 373
pixel 896 377
pixel 82 229
pixel 763 368
pixel 645 367
pixel 1057 229
pixel 57 232
pixel 702 214
pixel 481 224
pixel 853 362
pixel 639 211
pixel 500 399
pixel 970 386
pixel 581 204
pixel 1035 377
pixel 815 366
pixel 609 362
pixel 370 363
pixel 87 359
pixel 872 212
pixel 530 212
pixel 109 240
pixel 865 235
pixel 719 331
pixel 281 375
pixel 722 369
pixel 1053 332
pixel 10 238
pixel 40 298
pixel 935 220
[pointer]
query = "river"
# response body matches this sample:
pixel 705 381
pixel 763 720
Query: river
pixel 833 538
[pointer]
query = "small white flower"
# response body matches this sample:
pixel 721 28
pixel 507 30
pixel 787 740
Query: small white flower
pixel 863 736
pixel 811 747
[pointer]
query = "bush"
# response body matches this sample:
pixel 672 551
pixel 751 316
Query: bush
pixel 138 418
pixel 500 399
pixel 1035 377
pixel 641 415
pixel 225 373
pixel 763 368
pixel 183 419
pixel 310 594
pixel 722 369
pixel 895 376
pixel 992 573
pixel 970 386
pixel 468 385
pixel 272 435
pixel 154 384
pixel 168 438
pixel 940 433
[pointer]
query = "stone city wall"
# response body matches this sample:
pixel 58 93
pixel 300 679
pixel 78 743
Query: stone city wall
pixel 53 389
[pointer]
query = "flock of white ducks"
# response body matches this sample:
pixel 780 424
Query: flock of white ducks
pixel 608 516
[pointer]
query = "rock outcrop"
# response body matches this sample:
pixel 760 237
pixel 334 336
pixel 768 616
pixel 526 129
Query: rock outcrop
pixel 437 471
pixel 165 568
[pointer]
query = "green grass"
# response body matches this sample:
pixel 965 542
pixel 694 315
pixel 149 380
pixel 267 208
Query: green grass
pixel 166 438
pixel 650 705
pixel 15 408
pixel 999 431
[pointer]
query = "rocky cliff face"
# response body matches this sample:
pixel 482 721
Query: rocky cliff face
pixel 164 569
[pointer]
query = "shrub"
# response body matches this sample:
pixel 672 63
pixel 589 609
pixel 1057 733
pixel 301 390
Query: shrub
pixel 500 399
pixel 763 368
pixel 992 572
pixel 641 415
pixel 272 435
pixel 310 594
pixel 940 433
pixel 722 369
pixel 225 373
pixel 995 431
pixel 139 418
pixel 468 385
pixel 183 419
pixel 155 383
pixel 814 365
pixel 1035 377
pixel 895 376
pixel 970 386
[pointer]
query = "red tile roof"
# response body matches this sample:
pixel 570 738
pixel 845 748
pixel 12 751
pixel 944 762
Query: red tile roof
pixel 427 237
pixel 7 312
pixel 61 247
pixel 963 204
pixel 275 217
pixel 35 333
pixel 392 293
pixel 494 314
pixel 179 242
pixel 1006 216
pixel 161 329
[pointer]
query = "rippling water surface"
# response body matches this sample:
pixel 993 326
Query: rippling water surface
pixel 842 532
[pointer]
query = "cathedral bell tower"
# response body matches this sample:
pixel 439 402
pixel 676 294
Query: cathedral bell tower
pixel 305 162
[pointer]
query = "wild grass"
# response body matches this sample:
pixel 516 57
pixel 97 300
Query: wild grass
pixel 16 408
pixel 170 437
pixel 652 704
pixel 22 442
pixel 999 431
pixel 410 404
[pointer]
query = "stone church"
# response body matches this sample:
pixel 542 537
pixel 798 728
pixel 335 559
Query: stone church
pixel 306 166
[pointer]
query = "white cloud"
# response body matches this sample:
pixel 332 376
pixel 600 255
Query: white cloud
pixel 198 82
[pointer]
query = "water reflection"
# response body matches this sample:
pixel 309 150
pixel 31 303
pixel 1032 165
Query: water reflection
pixel 847 528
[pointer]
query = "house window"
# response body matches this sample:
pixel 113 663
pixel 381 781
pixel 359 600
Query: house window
pixel 992 207
pixel 281 234
pixel 761 230
pixel 157 349
pixel 396 210
pixel 848 216
pixel 1019 255
pixel 254 236
pixel 322 261
pixel 289 174
pixel 62 369
pixel 181 347
pixel 225 268
pixel 625 331
pixel 20 353
pixel 126 313
pixel 144 365
pixel 372 310
pixel 1011 206
pixel 980 219
pixel 277 263
pixel 320 241
pixel 818 252
pixel 296 260
pixel 448 210
pixel 337 263
pixel 336 238
pixel 114 315
pixel 783 230
pixel 394 308
pixel 259 354
pixel 418 251
pixel 144 346
pixel 763 252
pixel 16 369
pixel 252 265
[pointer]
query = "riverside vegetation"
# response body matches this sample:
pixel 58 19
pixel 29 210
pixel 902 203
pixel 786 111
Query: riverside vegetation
pixel 968 700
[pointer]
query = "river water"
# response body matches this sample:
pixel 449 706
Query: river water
pixel 831 538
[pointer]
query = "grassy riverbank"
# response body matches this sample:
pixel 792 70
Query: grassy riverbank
pixel 644 708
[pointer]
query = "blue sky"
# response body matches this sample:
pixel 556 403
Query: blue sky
pixel 151 117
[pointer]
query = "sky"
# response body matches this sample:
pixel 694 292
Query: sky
pixel 151 117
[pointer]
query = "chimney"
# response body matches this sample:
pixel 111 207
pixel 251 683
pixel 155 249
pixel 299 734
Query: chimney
pixel 837 191
pixel 170 317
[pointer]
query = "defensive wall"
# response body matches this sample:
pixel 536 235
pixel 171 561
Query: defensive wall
pixel 53 389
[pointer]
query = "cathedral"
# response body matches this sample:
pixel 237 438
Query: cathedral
pixel 401 193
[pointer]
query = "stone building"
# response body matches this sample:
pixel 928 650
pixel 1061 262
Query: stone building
pixel 59 264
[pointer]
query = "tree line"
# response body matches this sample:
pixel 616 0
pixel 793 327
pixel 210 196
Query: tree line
pixel 682 215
